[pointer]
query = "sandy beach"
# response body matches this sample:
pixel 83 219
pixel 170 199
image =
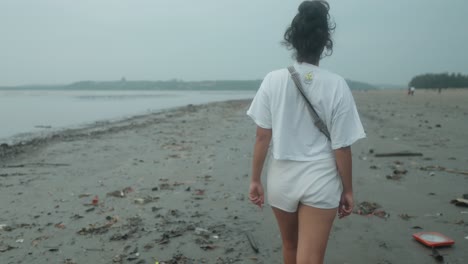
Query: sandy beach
pixel 171 187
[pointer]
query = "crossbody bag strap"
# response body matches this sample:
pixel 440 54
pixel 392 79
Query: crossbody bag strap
pixel 317 120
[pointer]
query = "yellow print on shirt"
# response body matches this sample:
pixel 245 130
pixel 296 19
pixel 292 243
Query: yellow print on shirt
pixel 308 77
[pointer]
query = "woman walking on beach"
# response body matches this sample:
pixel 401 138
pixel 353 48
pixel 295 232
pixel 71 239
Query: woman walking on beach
pixel 310 173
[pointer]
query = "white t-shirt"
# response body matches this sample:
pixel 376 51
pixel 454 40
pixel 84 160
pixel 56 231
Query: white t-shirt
pixel 278 105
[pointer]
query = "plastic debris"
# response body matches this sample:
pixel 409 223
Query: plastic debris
pixel 95 201
pixel 147 199
pixel 460 202
pixel 120 193
pixel 201 231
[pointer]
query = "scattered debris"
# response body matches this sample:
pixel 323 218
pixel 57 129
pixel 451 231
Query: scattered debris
pixel 84 195
pixel 366 208
pixel 199 192
pixel 416 227
pixel 147 199
pixel 460 202
pixel 120 193
pixel 98 230
pixel 177 259
pixel 398 154
pixel 434 215
pixel 405 217
pixel 440 168
pixel 95 200
pixel 36 241
pixel 202 232
pixel 437 255
pixel 252 242
pixel 395 177
pixel 5 248
pixel 60 226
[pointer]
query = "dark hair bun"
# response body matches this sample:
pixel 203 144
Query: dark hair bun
pixel 310 31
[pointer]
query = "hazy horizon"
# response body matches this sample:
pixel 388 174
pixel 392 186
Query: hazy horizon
pixel 379 42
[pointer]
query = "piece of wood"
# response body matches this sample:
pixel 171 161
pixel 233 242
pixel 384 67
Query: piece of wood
pixel 252 242
pixel 456 172
pixel 398 154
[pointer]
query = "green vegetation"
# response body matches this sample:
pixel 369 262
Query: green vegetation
pixel 440 80
pixel 166 85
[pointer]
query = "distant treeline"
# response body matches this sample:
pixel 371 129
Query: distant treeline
pixel 440 80
pixel 166 85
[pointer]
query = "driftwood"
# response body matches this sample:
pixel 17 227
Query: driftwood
pixel 252 242
pixel 398 154
pixel 440 168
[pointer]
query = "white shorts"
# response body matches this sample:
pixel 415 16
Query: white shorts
pixel 313 183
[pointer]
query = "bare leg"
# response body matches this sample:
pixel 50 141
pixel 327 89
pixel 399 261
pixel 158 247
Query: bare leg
pixel 287 223
pixel 314 230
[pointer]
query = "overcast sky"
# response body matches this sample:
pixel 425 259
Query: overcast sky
pixel 376 41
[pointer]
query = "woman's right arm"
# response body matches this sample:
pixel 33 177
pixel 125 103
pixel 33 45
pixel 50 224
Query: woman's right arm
pixel 345 169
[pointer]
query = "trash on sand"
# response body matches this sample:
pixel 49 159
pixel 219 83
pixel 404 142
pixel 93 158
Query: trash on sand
pixel 147 199
pixel 395 177
pixel 95 201
pixel 433 239
pixel 440 168
pixel 20 240
pixel 416 227
pixel 69 261
pixel 5 248
pixel 366 208
pixel 207 247
pixel 460 202
pixel 252 242
pixel 2 226
pixel 398 154
pixel 60 226
pixel 199 192
pixel 405 217
pixel 84 195
pixel 120 193
pixel 202 231
pixel 437 255
pixel 176 259
pixel 398 171
pixel 436 214
pixel 170 234
pixel 36 241
pixel 94 229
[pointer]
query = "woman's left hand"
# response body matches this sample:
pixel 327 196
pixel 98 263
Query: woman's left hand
pixel 256 193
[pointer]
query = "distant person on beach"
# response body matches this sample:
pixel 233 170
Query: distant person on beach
pixel 309 176
pixel 412 89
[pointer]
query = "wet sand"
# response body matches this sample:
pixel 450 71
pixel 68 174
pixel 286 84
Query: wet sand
pixel 172 187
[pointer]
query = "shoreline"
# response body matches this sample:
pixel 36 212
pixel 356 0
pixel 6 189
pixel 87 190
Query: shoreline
pixel 19 144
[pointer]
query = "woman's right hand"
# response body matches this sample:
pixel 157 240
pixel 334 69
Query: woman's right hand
pixel 256 195
pixel 346 204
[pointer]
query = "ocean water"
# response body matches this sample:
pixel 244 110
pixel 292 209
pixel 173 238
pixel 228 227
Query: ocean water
pixel 24 114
